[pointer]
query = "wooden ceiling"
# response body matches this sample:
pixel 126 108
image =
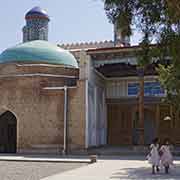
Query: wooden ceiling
pixel 123 70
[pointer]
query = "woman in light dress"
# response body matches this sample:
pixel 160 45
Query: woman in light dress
pixel 153 156
pixel 166 157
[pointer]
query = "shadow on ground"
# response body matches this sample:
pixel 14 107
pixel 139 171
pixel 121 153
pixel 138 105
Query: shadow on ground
pixel 144 173
pixel 131 158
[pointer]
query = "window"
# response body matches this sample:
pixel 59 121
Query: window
pixel 150 89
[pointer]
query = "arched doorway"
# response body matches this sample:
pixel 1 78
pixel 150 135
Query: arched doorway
pixel 8 132
pixel 149 127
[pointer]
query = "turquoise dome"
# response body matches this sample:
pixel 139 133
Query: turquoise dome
pixel 38 51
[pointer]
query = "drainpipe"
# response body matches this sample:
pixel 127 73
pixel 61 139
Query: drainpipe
pixel 65 121
pixel 65 88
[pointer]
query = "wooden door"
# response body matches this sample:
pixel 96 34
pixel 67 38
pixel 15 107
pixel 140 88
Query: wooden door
pixel 119 125
pixel 149 127
pixel 164 125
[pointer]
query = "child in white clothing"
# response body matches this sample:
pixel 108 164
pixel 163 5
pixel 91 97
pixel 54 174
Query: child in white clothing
pixel 153 156
pixel 166 157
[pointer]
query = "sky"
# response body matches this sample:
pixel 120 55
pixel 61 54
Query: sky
pixel 71 21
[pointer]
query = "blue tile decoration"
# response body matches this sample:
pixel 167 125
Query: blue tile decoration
pixel 36 27
pixel 37 11
pixel 150 89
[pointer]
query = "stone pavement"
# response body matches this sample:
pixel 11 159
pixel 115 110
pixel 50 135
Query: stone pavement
pixel 126 168
pixel 30 170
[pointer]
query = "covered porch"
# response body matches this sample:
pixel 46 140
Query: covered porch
pixel 119 82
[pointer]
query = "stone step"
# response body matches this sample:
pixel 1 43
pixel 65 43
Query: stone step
pixel 120 151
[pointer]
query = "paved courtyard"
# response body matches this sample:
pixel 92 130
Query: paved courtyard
pixel 107 168
pixel 125 168
pixel 16 170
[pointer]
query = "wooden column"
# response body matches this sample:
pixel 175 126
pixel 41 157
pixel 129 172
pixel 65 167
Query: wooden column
pixel 157 119
pixel 172 116
pixel 141 106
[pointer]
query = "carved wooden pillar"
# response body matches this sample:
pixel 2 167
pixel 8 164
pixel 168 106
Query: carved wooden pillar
pixel 141 105
pixel 172 116
pixel 157 120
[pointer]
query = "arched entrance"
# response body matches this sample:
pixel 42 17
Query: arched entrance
pixel 149 127
pixel 8 132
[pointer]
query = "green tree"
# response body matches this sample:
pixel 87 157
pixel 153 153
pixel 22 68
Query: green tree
pixel 157 20
pixel 169 54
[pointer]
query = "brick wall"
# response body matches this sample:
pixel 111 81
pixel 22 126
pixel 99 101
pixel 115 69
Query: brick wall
pixel 76 116
pixel 40 112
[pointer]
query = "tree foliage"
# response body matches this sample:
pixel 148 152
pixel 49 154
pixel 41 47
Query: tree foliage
pixel 159 20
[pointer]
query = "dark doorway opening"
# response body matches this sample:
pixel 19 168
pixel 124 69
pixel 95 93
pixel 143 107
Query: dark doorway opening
pixel 8 132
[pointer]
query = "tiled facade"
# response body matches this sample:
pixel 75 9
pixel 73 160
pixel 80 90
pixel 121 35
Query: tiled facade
pixel 36 27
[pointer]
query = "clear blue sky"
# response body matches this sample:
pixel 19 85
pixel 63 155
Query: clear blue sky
pixel 71 21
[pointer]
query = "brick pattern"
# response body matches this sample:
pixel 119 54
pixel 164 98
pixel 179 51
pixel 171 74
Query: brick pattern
pixel 76 116
pixel 40 112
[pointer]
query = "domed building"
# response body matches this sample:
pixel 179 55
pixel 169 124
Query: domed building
pixel 39 87
pixel 59 98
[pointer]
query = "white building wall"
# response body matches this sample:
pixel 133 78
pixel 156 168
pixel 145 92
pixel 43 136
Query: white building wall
pixel 118 88
pixel 97 110
pixel 96 123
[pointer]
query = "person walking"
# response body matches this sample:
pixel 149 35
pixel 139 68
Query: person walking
pixel 153 156
pixel 166 158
